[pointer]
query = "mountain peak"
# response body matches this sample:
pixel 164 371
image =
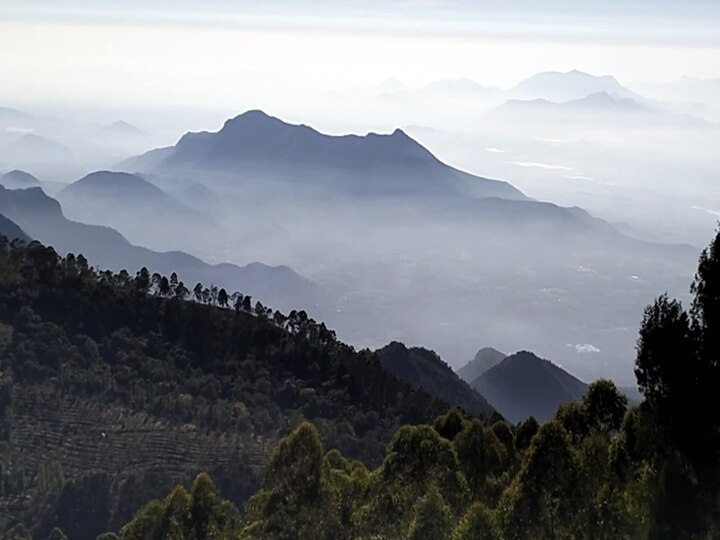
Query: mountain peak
pixel 524 385
pixel 121 127
pixel 32 201
pixel 423 368
pixel 17 179
pixel 255 144
pixel 485 359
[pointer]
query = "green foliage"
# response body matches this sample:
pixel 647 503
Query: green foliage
pixel 481 456
pixel 125 352
pixel 449 424
pixel 478 523
pixel 595 470
pixel 432 518
pixel 56 534
pixel 18 532
pixel 525 432
pixel 198 515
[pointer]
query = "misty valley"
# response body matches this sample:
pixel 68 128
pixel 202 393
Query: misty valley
pixel 280 274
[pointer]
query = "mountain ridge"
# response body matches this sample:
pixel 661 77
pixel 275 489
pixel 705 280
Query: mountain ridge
pixel 42 217
pixel 485 359
pixel 423 368
pixel 262 145
pixel 525 385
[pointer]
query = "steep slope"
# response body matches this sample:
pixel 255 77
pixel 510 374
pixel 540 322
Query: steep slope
pixel 19 180
pixel 524 385
pixel 106 381
pixel 42 218
pixel 424 369
pixel 257 145
pixel 485 359
pixel 11 231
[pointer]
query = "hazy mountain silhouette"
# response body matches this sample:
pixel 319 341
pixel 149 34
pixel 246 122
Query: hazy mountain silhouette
pixel 424 369
pixel 11 231
pixel 8 115
pixel 462 88
pixel 524 385
pixel 485 359
pixel 105 191
pixel 19 180
pixel 571 85
pixel 134 206
pixel 31 148
pixel 260 146
pixel 598 102
pixel 121 128
pixel 41 217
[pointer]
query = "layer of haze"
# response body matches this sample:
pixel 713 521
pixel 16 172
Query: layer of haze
pixel 639 151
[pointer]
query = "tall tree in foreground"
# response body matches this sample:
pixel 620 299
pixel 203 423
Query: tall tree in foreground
pixel 678 372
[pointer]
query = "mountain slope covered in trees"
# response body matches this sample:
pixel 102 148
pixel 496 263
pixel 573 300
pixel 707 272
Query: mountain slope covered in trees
pixel 114 387
pixel 425 369
pixel 596 469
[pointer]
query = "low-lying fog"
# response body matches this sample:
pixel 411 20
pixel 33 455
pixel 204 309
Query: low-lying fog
pixel 427 271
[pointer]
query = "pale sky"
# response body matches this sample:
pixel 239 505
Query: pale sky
pixel 195 53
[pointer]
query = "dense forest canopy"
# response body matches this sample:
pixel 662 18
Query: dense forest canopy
pixel 597 469
pixel 114 387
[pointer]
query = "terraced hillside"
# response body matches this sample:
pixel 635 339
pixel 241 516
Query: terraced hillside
pixel 135 383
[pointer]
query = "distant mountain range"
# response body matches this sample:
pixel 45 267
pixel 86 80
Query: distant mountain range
pixel 121 128
pixel 255 144
pixel 459 88
pixel 566 86
pixel 31 147
pixel 597 102
pixel 593 109
pixel 485 359
pixel 353 211
pixel 41 217
pixel 422 368
pixel 524 385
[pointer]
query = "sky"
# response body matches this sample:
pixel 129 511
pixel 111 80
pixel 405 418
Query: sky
pixel 188 52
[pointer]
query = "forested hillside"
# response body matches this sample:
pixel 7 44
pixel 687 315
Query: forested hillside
pixel 424 369
pixel 595 470
pixel 114 387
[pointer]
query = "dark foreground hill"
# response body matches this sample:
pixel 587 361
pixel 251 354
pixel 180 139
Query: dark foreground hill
pixel 116 385
pixel 425 369
pixel 523 385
